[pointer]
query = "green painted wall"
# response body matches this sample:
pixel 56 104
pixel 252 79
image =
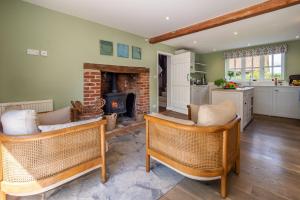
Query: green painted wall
pixel 215 61
pixel 70 42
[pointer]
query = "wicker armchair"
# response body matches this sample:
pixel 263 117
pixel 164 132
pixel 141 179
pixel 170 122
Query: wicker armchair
pixel 82 112
pixel 201 153
pixel 36 163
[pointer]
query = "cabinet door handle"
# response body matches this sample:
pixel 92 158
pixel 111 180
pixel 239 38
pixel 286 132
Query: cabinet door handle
pixel 276 90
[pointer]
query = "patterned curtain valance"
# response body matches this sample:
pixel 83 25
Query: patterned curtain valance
pixel 265 50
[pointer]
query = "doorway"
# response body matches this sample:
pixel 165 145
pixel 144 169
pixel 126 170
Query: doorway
pixel 163 77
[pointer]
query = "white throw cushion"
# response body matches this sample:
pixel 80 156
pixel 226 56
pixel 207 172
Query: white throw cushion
pixel 19 122
pixel 60 116
pixel 220 114
pixel 46 128
pixel 173 119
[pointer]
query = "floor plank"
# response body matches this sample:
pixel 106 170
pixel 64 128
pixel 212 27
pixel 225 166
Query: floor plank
pixel 270 165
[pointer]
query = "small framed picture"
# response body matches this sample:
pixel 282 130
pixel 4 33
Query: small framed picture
pixel 136 53
pixel 106 48
pixel 123 50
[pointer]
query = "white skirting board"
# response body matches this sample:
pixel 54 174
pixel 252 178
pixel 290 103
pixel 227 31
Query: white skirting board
pixel 38 106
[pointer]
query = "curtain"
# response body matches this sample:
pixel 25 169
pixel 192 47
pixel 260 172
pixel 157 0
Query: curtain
pixel 257 51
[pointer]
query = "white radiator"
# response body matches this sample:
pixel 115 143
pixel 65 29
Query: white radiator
pixel 38 106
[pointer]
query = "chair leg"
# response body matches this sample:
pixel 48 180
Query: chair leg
pixel 2 196
pixel 103 174
pixel 237 166
pixel 224 186
pixel 147 163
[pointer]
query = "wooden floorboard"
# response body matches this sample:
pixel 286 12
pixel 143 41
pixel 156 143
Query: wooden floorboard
pixel 270 165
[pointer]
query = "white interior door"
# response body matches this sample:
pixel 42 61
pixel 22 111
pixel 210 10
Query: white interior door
pixel 180 82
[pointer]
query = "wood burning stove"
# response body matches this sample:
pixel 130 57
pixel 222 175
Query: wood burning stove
pixel 115 101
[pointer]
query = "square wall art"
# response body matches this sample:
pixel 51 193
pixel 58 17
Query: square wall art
pixel 123 50
pixel 136 53
pixel 106 48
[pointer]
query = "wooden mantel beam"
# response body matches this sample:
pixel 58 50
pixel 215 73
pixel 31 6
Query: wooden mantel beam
pixel 255 10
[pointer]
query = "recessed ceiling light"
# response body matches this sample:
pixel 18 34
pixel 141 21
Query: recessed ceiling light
pixel 297 36
pixel 194 42
pixel 235 33
pixel 146 40
pixel 167 18
pixel 248 44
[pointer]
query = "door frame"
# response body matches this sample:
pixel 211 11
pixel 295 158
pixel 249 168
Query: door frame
pixel 157 77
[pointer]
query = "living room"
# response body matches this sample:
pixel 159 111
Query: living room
pixel 150 99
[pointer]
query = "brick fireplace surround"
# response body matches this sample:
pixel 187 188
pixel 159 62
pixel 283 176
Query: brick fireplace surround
pixel 95 83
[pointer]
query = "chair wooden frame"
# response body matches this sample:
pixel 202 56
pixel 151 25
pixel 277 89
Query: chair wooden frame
pixel 49 143
pixel 229 148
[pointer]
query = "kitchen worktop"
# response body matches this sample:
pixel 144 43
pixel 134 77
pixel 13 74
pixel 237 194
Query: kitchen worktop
pixel 234 90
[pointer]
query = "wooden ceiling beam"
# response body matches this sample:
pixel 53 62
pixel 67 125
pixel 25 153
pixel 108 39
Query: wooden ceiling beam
pixel 255 10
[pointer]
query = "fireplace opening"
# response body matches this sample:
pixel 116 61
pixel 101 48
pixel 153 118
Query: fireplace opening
pixel 130 105
pixel 120 96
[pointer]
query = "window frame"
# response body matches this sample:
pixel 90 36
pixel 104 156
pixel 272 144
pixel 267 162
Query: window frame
pixel 261 67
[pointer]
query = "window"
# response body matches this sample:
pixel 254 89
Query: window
pixel 265 67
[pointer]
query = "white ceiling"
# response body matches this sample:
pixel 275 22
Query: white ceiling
pixel 147 19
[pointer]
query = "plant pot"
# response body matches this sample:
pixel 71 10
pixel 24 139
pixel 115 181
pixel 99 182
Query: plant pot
pixel 139 117
pixel 111 121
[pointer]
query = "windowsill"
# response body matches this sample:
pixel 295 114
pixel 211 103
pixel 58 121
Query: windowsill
pixel 259 83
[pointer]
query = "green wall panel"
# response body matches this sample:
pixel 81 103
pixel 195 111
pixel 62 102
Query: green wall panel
pixel 70 42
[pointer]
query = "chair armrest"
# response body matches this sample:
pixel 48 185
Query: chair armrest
pixel 38 156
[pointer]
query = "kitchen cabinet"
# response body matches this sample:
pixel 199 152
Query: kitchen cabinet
pixel 199 94
pixel 242 99
pixel 286 102
pixel 280 101
pixel 263 100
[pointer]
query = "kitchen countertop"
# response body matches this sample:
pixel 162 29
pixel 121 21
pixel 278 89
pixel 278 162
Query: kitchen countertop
pixel 233 90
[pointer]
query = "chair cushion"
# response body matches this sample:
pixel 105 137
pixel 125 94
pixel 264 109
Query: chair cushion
pixel 19 122
pixel 46 128
pixel 194 112
pixel 220 114
pixel 173 119
pixel 60 116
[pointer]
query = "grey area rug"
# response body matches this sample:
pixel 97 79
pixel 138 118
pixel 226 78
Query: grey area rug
pixel 128 179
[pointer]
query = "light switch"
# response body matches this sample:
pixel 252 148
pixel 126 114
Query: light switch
pixel 33 52
pixel 44 53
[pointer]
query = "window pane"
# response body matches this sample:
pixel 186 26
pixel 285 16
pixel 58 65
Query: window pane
pixel 256 61
pixel 248 61
pixel 238 74
pixel 231 63
pixel 268 60
pixel 256 72
pixel 277 72
pixel 248 72
pixel 230 74
pixel 277 59
pixel 238 63
pixel 268 73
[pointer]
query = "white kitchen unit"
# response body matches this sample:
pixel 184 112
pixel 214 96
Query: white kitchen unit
pixel 280 101
pixel 180 81
pixel 242 98
pixel 199 94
